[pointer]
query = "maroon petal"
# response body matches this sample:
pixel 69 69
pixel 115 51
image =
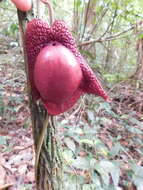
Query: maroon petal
pixel 55 109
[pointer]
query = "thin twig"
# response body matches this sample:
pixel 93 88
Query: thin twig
pixel 22 148
pixel 22 16
pixel 38 9
pixel 41 140
pixel 110 24
pixel 80 21
pixel 109 38
pixel 85 22
pixel 99 20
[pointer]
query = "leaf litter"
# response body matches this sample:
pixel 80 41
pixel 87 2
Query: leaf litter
pixel 92 136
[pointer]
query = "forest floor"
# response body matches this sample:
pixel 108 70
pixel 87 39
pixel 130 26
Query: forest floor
pixel 117 127
pixel 16 143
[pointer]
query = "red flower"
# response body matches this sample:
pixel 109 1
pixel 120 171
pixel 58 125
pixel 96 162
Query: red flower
pixel 39 35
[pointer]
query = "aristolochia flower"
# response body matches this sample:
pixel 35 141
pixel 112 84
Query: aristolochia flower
pixel 58 74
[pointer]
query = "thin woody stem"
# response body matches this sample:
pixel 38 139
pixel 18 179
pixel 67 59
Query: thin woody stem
pixel 109 38
pixel 38 8
pixel 40 142
pixel 51 12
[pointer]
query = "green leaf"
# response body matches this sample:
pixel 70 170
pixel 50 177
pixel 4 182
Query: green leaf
pixel 81 163
pixel 96 180
pixel 3 140
pixel 91 187
pixel 138 170
pixel 104 175
pixel 68 156
pixel 134 130
pixel 136 122
pixel 87 141
pixel 105 168
pixel 70 144
pixel 138 181
pixel 90 115
pixel 140 36
pixel 105 121
pixel 116 149
pixel 137 176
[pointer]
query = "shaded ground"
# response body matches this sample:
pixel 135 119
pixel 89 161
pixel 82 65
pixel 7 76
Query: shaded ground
pixel 16 144
pixel 101 131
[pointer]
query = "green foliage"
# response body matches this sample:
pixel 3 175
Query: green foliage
pixel 137 176
pixel 94 151
pixel 3 140
pixel 9 24
pixel 115 77
pixel 1 106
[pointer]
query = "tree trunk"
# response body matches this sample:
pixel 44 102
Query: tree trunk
pixel 139 70
pixel 47 165
pixel 91 16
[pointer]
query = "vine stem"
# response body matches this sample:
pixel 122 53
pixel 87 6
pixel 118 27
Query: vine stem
pixel 51 12
pixel 41 140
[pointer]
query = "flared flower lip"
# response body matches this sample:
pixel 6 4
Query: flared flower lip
pixel 38 35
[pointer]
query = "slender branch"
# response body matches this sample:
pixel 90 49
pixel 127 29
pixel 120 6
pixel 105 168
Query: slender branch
pixel 110 24
pixel 85 22
pixel 38 8
pixel 99 20
pixel 22 19
pixel 51 12
pixel 80 22
pixel 109 38
pixel 41 140
pixel 74 21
